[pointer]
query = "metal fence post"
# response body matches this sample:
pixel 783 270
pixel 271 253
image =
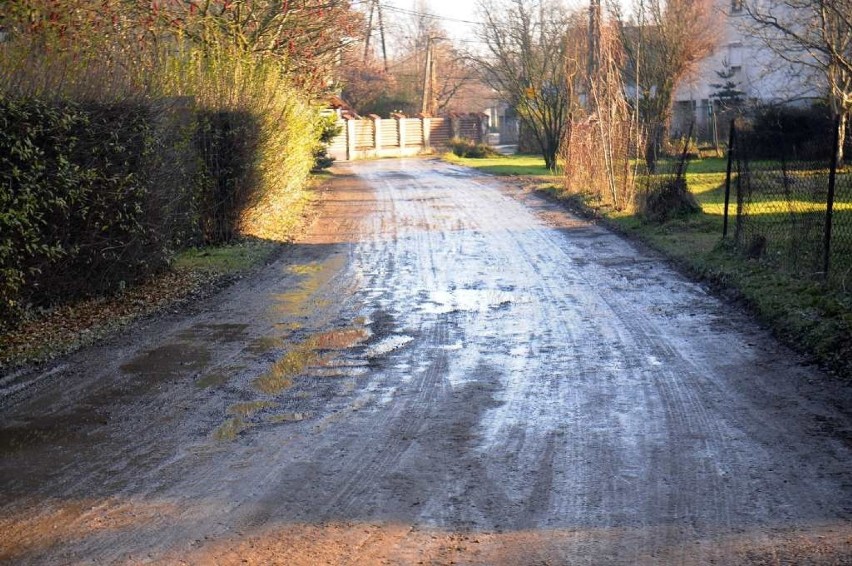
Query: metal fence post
pixel 731 136
pixel 829 209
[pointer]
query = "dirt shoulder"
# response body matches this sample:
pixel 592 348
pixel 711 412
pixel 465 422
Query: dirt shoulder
pixel 195 275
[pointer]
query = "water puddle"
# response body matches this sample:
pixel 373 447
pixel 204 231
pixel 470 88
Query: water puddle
pixel 265 344
pixel 54 429
pixel 388 345
pixel 280 376
pixel 466 300
pixel 305 268
pixel 301 301
pixel 215 332
pixel 169 360
pixel 214 379
pixel 337 372
pixel 318 351
pixel 230 429
pixel 341 339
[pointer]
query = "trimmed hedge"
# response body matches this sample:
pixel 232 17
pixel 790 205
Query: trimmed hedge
pixel 95 197
pixel 75 206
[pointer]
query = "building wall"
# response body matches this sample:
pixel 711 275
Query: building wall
pixel 760 74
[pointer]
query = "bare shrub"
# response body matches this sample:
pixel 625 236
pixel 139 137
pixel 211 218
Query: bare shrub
pixel 601 145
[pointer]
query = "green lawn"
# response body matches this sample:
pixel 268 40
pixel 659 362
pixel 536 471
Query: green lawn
pixel 505 165
pixel 807 314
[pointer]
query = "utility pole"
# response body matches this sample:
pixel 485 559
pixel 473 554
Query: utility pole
pixel 426 106
pixel 429 106
pixel 382 33
pixel 433 103
pixel 370 31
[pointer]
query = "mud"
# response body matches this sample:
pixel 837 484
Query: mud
pixel 444 370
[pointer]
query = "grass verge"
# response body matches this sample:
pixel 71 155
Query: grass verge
pixel 806 315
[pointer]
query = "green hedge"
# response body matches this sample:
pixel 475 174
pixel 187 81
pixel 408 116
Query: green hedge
pixel 97 196
pixel 75 208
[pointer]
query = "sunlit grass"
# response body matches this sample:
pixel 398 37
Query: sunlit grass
pixel 227 259
pixel 505 165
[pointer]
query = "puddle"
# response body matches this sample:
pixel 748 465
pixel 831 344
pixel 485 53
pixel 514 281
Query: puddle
pixel 249 408
pixel 280 375
pixel 341 339
pixel 337 372
pixel 388 345
pixel 170 360
pixel 230 429
pixel 298 301
pixel 468 300
pixel 56 429
pixel 14 440
pixel 287 418
pixel 215 332
pixel 213 380
pixel 265 344
pixel 305 268
pixel 307 354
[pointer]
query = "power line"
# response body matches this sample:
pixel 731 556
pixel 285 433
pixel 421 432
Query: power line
pixel 429 15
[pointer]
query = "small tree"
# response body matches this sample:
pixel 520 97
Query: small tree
pixel 727 92
pixel 665 41
pixel 526 42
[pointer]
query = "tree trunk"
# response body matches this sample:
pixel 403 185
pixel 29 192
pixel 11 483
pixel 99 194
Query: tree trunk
pixel 550 156
pixel 842 125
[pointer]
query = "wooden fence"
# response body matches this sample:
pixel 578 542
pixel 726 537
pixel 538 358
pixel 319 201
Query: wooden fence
pixel 366 138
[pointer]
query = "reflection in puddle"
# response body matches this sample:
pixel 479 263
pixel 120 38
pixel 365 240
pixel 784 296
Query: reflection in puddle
pixel 280 375
pixel 341 339
pixel 265 344
pixel 306 354
pixel 466 300
pixel 305 268
pixel 388 345
pixel 298 301
pixel 230 429
pixel 169 360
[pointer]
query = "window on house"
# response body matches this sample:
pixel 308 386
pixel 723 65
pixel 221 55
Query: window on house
pixel 737 6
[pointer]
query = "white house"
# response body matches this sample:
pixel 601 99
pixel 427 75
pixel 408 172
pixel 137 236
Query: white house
pixel 758 72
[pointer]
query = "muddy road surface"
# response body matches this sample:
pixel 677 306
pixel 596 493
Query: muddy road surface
pixel 445 370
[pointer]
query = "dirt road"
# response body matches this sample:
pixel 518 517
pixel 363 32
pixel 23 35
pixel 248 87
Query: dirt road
pixel 445 370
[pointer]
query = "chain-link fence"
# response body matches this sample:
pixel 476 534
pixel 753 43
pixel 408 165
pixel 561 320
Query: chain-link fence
pixel 791 203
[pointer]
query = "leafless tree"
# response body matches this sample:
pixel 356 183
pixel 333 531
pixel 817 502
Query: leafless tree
pixel 664 41
pixel 815 35
pixel 423 53
pixel 602 139
pixel 526 42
